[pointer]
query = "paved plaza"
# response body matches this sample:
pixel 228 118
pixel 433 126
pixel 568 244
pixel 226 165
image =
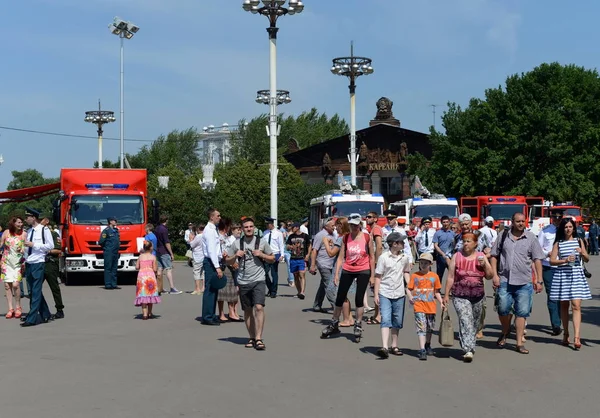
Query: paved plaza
pixel 103 361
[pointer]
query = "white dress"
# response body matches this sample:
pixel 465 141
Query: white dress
pixel 569 281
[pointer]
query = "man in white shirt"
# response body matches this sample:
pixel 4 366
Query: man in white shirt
pixel 186 236
pixel 213 271
pixel 304 226
pixel 424 238
pixel 546 240
pixel 274 238
pixel 489 231
pixel 393 226
pixel 38 243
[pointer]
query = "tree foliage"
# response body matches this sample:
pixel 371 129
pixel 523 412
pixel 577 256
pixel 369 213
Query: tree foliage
pixel 537 136
pixel 22 180
pixel 309 128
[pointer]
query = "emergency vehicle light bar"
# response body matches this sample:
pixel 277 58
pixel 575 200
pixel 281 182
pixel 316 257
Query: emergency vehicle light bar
pixel 120 186
pixel 507 199
pixel 451 198
pixel 417 199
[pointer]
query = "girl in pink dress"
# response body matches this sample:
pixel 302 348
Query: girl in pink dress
pixel 12 264
pixel 146 294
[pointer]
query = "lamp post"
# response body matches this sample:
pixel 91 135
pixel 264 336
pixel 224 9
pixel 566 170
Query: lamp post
pixel 352 67
pixel 273 9
pixel 264 97
pixel 99 117
pixel 124 30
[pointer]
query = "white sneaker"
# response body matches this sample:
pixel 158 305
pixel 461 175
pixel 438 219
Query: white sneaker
pixel 468 357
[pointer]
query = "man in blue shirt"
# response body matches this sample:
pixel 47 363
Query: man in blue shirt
pixel 443 244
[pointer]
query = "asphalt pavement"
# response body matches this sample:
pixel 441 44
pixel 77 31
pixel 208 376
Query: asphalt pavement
pixel 102 361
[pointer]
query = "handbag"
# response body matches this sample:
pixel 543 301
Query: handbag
pixel 189 254
pixel 446 336
pixel 586 273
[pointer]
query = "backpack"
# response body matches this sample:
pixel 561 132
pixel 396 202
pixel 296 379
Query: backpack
pixel 256 245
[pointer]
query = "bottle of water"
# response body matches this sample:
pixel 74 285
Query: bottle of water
pixel 574 254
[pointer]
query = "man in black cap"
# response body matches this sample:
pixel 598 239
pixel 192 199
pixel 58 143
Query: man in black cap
pixel 39 242
pixel 109 241
pixel 274 238
pixel 546 239
pixel 424 238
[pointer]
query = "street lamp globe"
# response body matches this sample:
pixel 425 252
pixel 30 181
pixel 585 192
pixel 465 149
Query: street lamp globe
pixel 99 118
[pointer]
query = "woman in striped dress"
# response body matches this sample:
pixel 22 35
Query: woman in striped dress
pixel 569 283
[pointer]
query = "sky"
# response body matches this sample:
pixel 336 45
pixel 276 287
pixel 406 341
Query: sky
pixel 196 63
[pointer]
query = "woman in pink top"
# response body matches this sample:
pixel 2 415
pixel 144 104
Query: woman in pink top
pixel 466 271
pixel 355 262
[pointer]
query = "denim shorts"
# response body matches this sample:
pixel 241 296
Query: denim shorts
pixel 297 264
pixel 164 262
pixel 515 297
pixel 392 312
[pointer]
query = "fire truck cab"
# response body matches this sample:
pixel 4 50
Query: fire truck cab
pixel 435 206
pixel 337 203
pixel 501 208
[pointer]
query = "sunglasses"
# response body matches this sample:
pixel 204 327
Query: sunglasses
pixel 370 217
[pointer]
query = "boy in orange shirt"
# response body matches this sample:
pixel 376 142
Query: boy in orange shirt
pixel 423 289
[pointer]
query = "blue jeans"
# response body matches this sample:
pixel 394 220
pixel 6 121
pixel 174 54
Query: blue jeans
pixel 392 312
pixel 440 266
pixel 38 308
pixel 553 305
pixel 288 257
pixel 272 270
pixel 517 297
pixel 210 295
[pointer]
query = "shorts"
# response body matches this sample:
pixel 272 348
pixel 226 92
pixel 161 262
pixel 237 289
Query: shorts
pixel 198 270
pixel 164 262
pixel 515 297
pixel 392 312
pixel 252 294
pixel 424 323
pixel 297 264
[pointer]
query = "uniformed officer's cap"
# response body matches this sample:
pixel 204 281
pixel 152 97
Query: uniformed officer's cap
pixel 32 212
pixel 426 219
pixel 390 214
pixel 112 218
pixel 269 220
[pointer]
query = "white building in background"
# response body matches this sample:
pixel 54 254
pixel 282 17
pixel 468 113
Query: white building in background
pixel 215 143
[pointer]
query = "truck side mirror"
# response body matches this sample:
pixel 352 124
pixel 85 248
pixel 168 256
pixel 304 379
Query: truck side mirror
pixel 155 211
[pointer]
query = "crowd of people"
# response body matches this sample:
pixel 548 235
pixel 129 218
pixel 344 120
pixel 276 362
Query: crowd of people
pixel 235 263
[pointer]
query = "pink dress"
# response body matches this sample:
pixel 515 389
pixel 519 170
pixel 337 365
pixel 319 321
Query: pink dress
pixel 147 288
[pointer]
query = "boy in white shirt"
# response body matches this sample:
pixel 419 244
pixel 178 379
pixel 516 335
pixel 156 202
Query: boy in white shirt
pixel 391 274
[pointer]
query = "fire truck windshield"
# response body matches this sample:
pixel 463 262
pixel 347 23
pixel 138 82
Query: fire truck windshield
pixel 572 212
pixel 435 211
pixel 362 207
pixel 95 209
pixel 504 212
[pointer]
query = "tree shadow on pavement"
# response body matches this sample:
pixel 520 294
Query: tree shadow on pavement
pixel 590 314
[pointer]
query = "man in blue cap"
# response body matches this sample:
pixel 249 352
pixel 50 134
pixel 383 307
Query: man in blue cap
pixel 39 242
pixel 109 241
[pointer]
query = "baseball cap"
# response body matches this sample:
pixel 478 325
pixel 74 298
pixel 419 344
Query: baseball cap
pixel 396 237
pixel 354 219
pixel 464 217
pixel 426 256
pixel 489 219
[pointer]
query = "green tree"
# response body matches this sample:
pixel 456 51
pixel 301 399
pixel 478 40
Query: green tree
pixel 309 128
pixel 539 135
pixel 22 180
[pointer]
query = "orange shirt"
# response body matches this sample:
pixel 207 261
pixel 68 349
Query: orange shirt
pixel 423 288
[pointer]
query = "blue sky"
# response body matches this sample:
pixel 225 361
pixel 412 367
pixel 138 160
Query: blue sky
pixel 200 62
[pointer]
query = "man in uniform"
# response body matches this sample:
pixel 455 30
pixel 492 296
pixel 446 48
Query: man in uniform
pixel 109 241
pixel 51 272
pixel 594 232
pixel 38 243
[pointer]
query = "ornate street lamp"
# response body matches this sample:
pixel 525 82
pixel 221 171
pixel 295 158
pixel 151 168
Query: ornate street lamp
pixel 99 117
pixel 352 67
pixel 273 9
pixel 124 30
pixel 264 97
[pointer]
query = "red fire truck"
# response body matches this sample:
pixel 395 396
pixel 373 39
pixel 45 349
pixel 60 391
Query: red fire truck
pixel 86 198
pixel 501 208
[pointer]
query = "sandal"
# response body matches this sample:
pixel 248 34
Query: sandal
pixel 10 313
pixel 145 317
pixel 502 340
pixel 259 345
pixel 577 344
pixel 521 349
pixel 565 340
pixel 396 351
pixel 18 312
pixel 250 343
